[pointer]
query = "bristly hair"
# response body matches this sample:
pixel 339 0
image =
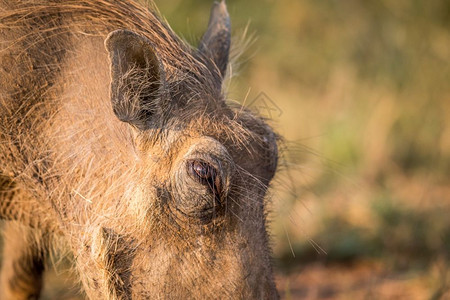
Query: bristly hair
pixel 98 17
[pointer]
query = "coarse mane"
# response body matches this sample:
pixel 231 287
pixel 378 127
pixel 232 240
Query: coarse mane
pixel 55 19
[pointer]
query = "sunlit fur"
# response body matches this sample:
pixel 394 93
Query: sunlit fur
pixel 71 171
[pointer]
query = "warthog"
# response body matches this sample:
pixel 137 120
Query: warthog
pixel 130 157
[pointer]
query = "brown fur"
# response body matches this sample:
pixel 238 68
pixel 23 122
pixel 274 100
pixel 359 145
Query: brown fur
pixel 123 195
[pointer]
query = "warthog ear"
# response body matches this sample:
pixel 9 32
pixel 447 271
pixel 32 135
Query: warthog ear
pixel 137 78
pixel 215 43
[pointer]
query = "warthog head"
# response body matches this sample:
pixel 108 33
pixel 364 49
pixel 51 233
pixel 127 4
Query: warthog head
pixel 193 223
pixel 160 197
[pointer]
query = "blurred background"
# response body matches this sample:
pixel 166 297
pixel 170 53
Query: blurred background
pixel 360 91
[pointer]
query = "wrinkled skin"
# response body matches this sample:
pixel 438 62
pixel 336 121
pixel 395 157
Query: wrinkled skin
pixel 161 196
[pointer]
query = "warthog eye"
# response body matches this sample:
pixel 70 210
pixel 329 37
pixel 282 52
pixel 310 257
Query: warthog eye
pixel 206 174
